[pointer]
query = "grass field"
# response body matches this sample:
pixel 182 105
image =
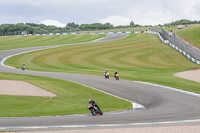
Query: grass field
pixel 14 42
pixel 170 28
pixel 140 57
pixel 71 98
pixel 191 34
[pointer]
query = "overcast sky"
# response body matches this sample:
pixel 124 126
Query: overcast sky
pixel 116 12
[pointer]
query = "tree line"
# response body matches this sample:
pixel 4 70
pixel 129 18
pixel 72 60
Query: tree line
pixel 182 22
pixel 32 28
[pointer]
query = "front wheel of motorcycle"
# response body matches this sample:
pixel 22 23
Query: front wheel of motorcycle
pixel 93 112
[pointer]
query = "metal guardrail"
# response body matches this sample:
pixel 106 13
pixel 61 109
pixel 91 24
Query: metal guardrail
pixel 179 42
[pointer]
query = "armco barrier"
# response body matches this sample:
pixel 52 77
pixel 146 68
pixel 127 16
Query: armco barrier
pixel 178 42
pixel 87 33
pixel 175 47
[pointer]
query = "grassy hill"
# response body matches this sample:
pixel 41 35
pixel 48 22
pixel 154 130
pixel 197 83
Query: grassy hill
pixel 140 57
pixel 191 34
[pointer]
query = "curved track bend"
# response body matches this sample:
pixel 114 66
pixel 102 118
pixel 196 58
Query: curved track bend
pixel 161 104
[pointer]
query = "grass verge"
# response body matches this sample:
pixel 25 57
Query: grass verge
pixel 71 98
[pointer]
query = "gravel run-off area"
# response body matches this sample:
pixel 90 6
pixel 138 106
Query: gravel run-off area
pixel 12 87
pixel 193 75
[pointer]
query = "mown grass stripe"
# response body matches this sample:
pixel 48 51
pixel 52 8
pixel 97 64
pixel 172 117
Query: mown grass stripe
pixel 13 42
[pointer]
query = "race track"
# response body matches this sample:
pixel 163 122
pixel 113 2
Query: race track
pixel 161 104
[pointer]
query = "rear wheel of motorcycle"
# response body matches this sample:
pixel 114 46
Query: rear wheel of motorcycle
pixel 101 112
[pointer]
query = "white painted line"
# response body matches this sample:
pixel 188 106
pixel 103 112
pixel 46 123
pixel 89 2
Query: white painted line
pixel 102 125
pixel 170 88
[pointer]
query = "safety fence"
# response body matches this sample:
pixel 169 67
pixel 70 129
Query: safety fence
pixel 178 42
pixel 173 46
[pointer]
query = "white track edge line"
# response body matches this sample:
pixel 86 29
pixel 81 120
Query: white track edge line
pixel 100 125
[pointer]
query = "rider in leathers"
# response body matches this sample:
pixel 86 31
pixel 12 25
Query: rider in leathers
pixel 93 103
pixel 115 73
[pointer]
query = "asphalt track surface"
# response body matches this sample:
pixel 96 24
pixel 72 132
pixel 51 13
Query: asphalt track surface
pixel 161 104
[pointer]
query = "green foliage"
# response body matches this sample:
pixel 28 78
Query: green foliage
pixel 132 23
pixel 72 25
pixel 183 22
pixel 96 26
pixel 31 28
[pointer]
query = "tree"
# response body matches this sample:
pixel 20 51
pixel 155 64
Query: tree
pixel 132 23
pixel 72 25
pixel 95 26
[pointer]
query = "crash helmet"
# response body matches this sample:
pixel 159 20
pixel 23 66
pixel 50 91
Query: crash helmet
pixel 90 100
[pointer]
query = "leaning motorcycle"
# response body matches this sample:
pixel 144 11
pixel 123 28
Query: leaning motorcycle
pixel 117 76
pixel 23 67
pixel 106 75
pixel 95 109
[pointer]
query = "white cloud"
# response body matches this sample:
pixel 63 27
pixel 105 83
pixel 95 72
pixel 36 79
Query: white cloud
pixel 116 12
pixel 20 2
pixel 116 20
pixel 52 22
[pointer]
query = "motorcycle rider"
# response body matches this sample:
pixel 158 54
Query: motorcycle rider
pixel 93 103
pixel 23 67
pixel 115 73
pixel 105 71
pixel 106 74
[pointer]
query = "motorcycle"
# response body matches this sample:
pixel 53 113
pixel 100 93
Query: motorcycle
pixel 117 76
pixel 94 109
pixel 23 67
pixel 106 75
